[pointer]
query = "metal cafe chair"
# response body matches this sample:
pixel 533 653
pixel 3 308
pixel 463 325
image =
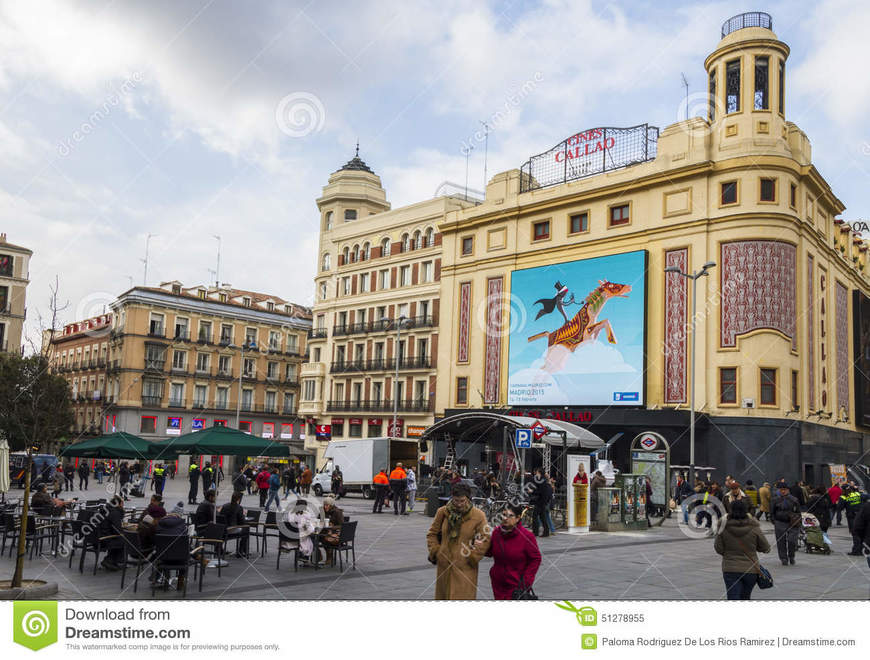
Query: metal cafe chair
pixel 346 543
pixel 134 554
pixel 173 553
pixel 214 536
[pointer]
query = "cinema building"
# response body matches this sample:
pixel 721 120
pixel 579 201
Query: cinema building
pixel 560 306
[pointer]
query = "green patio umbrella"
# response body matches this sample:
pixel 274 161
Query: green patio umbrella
pixel 112 445
pixel 218 440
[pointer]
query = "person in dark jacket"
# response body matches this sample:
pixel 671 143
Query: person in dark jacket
pixel 515 555
pixel 205 512
pixel 540 496
pixel 84 472
pixel 820 506
pixel 69 475
pixel 337 485
pixel 236 522
pixel 249 475
pixel 786 513
pixel 174 522
pixel 739 543
pixel 861 529
pixel 193 476
pixel 240 481
pixel 207 477
pixel 798 493
pixel 112 524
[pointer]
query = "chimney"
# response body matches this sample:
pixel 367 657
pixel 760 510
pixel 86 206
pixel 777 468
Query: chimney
pixel 3 237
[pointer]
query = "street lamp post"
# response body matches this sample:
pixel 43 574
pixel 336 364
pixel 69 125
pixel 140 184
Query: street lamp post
pixel 394 433
pixel 694 277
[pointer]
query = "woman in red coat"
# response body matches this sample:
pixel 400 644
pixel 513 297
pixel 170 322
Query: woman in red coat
pixel 514 550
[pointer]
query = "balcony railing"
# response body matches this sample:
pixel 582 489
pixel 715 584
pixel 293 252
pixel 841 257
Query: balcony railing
pixel 176 403
pixel 348 366
pixel 154 365
pixel 156 331
pixel 317 333
pixel 220 405
pixel 226 341
pixel 204 338
pixel 182 335
pixel 745 20
pixel 224 375
pixel 378 405
pixel 148 400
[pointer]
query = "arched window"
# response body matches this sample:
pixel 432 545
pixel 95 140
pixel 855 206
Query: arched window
pixel 328 221
pixel 430 237
pixel 354 255
pixel 324 265
pixel 366 251
pixel 405 243
pixel 323 290
pixel 385 247
pixel 417 239
pixel 346 254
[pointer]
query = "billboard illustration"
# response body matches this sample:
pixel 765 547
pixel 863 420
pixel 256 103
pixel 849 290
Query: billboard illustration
pixel 583 342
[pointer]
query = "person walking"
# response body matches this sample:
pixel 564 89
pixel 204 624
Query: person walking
pixel 263 477
pixel 240 482
pixel 861 529
pixel 819 505
pixel 207 477
pixel 736 493
pixel 764 496
pixel 515 555
pixel 336 482
pixel 739 543
pixel 84 474
pixel 69 475
pixel 99 471
pixel 286 480
pixel 412 488
pixel 193 474
pixel 539 498
pixel 159 479
pixel 249 476
pixel 834 494
pixel 786 513
pixel 380 482
pixel 274 490
pixel 452 541
pixel 399 486
pixel 851 500
pixel 305 480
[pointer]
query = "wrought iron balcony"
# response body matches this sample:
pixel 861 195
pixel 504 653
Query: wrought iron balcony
pixel 378 405
pixel 177 403
pixel 148 400
pixel 746 20
pixel 317 333
pixel 154 365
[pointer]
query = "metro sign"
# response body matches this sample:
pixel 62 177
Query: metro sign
pixel 648 442
pixel 538 430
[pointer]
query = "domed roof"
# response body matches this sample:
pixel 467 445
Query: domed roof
pixel 356 163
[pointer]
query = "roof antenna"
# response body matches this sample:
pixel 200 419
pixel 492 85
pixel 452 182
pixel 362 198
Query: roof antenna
pixel 357 148
pixel 686 85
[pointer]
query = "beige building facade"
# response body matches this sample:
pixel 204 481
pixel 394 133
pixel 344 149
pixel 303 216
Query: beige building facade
pixel 14 278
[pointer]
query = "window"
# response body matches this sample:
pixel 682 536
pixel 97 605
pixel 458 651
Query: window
pixel 289 403
pixel 271 404
pixel 405 276
pixel 246 301
pixel 222 297
pixel 179 359
pixel 541 230
pixel 226 334
pixel 148 425
pixel 384 280
pixel 427 271
pixel 274 340
pixel 795 402
pixel 761 68
pixel 363 282
pixel 202 362
pixel 403 310
pixel 247 398
pixel 176 394
pixel 768 387
pixel 245 426
pixel 250 336
pixel 155 326
pixel 205 331
pixel 620 215
pixel 467 245
pixel 337 428
pixel 201 294
pixel 810 209
pixel 418 240
pixel 272 370
pixel 430 237
pixel 461 391
pixel 366 252
pixel 249 368
pixel 385 247
pixel 316 355
pixel 767 190
pixel 224 365
pixel 328 221
pixel 345 286
pixel 406 245
pixel 577 223
pixel 324 262
pixel 354 255
pixel 309 391
pixel 792 195
pixel 181 328
pixel 200 393
pixel 6 261
pixel 711 95
pixel 782 87
pixel 152 392
pixel 323 290
pixel 349 215
pixel 355 430
pixel 728 193
pixel 292 343
pixel 222 398
pixel 728 385
pixel 377 392
pixel 732 86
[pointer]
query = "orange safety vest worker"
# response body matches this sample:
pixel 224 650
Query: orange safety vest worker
pixel 381 479
pixel 398 473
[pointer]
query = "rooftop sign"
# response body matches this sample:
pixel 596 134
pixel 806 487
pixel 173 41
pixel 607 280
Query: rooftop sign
pixel 590 152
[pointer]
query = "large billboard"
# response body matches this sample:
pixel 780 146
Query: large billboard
pixel 579 333
pixel 861 342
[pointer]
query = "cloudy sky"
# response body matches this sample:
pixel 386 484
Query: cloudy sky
pixel 200 118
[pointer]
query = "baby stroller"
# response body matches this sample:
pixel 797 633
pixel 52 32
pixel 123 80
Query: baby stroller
pixel 811 537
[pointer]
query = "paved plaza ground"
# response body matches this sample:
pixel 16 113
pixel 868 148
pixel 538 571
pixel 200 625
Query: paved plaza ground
pixel 662 563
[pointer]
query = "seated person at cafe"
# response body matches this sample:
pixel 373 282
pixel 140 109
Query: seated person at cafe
pixel 155 508
pixel 205 512
pixel 329 535
pixel 174 522
pixel 234 514
pixel 42 500
pixel 301 522
pixel 112 524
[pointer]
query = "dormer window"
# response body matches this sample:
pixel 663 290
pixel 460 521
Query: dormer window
pixel 246 301
pixel 287 309
pixel 222 297
pixel 176 289
pixel 270 306
pixel 201 294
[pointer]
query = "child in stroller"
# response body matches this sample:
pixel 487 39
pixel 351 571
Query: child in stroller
pixel 811 537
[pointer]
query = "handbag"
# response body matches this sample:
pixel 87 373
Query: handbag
pixel 522 592
pixel 765 579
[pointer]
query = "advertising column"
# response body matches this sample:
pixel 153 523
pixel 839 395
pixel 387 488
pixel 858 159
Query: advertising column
pixel 578 494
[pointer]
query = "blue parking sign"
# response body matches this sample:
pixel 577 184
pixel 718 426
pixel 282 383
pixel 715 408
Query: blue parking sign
pixel 523 438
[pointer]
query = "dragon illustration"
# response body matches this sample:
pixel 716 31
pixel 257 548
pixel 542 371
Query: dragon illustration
pixel 584 326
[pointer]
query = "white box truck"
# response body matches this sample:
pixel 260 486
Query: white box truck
pixel 360 459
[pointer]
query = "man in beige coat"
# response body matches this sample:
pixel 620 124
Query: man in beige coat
pixel 457 540
pixel 764 501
